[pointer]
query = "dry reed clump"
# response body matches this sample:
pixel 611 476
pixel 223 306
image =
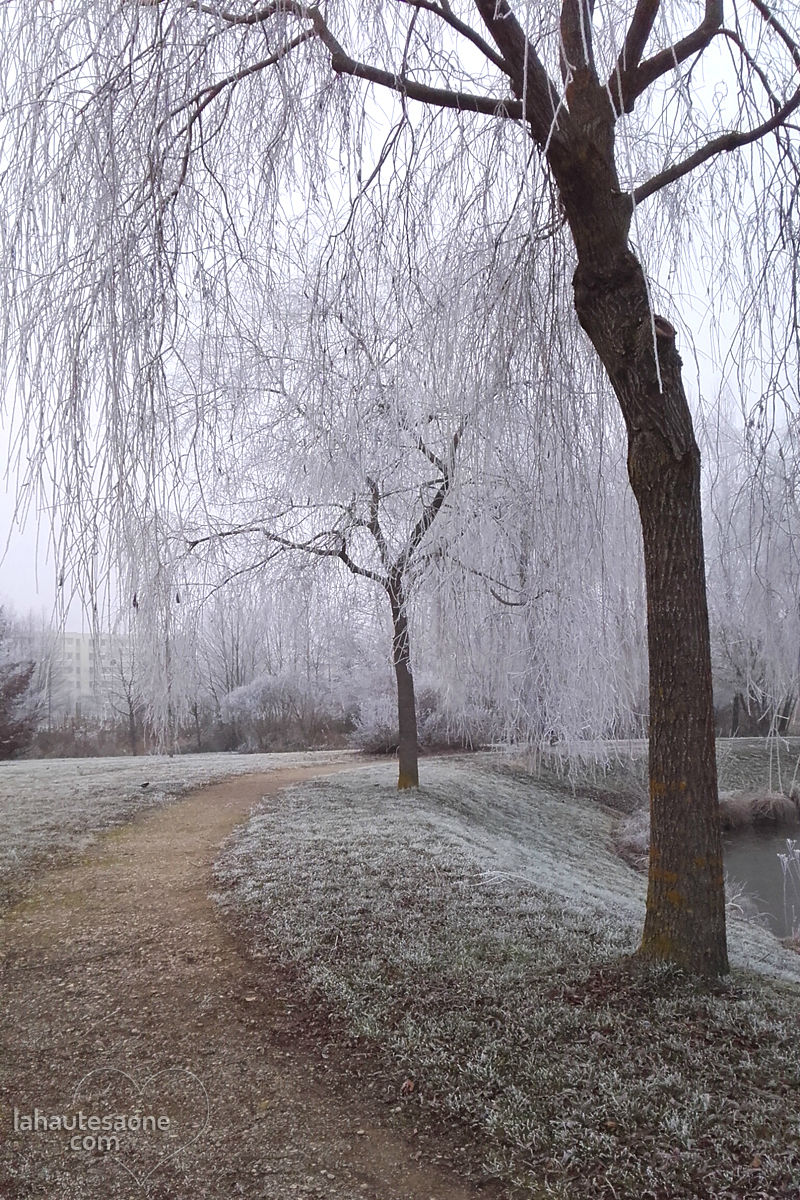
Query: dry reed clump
pixel 738 810
pixel 745 766
pixel 742 809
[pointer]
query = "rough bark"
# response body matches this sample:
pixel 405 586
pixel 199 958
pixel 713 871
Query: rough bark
pixel 408 750
pixel 685 921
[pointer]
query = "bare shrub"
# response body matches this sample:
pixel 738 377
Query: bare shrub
pixel 438 727
pixel 282 713
pixel 742 904
pixel 632 839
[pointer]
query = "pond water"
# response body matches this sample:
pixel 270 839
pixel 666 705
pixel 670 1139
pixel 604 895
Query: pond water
pixel 751 859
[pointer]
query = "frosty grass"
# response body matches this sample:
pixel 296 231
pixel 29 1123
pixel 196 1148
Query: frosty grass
pixel 473 933
pixel 52 807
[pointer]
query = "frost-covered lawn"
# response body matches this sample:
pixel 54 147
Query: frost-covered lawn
pixel 50 807
pixel 474 932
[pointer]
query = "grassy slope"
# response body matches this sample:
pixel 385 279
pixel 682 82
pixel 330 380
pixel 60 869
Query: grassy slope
pixel 475 932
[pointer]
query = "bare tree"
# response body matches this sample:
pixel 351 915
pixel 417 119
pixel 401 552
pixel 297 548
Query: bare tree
pixel 184 115
pixel 337 530
pixel 123 686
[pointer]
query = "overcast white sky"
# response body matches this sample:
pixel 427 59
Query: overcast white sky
pixel 26 578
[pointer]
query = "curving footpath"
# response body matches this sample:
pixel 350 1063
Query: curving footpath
pixel 143 1055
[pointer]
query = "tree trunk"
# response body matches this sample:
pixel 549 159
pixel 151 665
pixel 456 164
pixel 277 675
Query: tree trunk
pixel 783 717
pixel 685 921
pixel 198 735
pixel 133 733
pixel 408 747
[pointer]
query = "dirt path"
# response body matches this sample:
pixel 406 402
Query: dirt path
pixel 118 968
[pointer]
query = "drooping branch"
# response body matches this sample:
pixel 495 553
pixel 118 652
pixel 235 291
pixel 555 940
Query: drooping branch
pixel 222 534
pixel 493 582
pixel 508 603
pixel 343 64
pixel 757 70
pixel 250 569
pixel 772 22
pixel 201 99
pixel 337 547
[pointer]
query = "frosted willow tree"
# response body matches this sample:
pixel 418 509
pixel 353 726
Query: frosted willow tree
pixel 391 426
pixel 380 421
pixel 549 636
pixel 754 577
pixel 143 150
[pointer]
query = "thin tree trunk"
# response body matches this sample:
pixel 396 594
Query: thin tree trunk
pixel 133 736
pixel 198 735
pixel 408 747
pixel 784 715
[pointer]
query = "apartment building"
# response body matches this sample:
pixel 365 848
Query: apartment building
pixel 83 671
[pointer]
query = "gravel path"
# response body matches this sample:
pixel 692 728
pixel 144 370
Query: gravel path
pixel 126 1001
